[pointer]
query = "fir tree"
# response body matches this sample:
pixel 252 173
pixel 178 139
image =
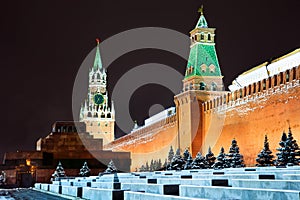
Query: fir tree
pixel 142 168
pixel 221 160
pixel 283 154
pixel 234 158
pixel 210 158
pixel 84 171
pixel 164 167
pixel 177 162
pixel 188 163
pixel 199 162
pixel 152 166
pixel 111 168
pixel 293 149
pixel 186 154
pixel 59 172
pixel 147 168
pixel 159 165
pixel 265 157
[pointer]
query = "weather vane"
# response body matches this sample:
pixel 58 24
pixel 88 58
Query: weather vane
pixel 201 10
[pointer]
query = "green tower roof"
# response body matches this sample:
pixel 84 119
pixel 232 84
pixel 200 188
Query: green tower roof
pixel 202 23
pixel 202 54
pixel 97 61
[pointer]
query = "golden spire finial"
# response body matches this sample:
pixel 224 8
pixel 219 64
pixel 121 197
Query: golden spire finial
pixel 201 10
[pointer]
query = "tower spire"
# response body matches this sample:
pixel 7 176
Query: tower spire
pixel 97 61
pixel 202 23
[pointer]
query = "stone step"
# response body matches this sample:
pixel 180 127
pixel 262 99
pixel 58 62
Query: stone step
pixel 215 192
pixel 106 185
pixel 267 184
pixel 73 191
pixel 165 189
pixel 102 194
pixel 291 176
pixel 128 195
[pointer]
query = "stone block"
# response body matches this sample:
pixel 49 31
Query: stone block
pixel 128 195
pixel 200 182
pixel 102 194
pixel 82 184
pixel 66 182
pixel 37 186
pixel 267 184
pixel 167 189
pixel 55 188
pixel 106 185
pixel 45 186
pixel 73 191
pixel 56 182
pixel 236 193
pixel 291 176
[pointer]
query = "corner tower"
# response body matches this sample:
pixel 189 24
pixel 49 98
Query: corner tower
pixel 203 70
pixel 96 112
pixel 202 82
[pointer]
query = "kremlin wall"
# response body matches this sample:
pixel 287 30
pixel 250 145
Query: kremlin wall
pixel 264 107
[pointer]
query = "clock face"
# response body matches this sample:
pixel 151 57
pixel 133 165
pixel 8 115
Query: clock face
pixel 98 99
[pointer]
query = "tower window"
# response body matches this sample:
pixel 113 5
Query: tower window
pixel 89 114
pixel 202 86
pixel 202 36
pixel 209 37
pixel 213 86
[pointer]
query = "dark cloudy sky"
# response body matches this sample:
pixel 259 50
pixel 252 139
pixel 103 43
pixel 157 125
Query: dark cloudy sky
pixel 43 43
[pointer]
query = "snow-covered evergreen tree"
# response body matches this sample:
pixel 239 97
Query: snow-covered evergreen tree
pixel 293 149
pixel 283 154
pixel 221 160
pixel 85 170
pixel 188 163
pixel 210 158
pixel 265 157
pixel 111 168
pixel 177 162
pixel 186 154
pixel 199 162
pixel 234 158
pixel 59 172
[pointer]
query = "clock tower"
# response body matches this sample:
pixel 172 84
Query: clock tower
pixel 96 112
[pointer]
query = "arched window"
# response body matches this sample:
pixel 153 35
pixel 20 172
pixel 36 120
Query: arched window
pixel 213 86
pixel 202 86
pixel 202 36
pixel 208 37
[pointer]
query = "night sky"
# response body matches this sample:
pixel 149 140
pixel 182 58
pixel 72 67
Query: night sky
pixel 43 43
